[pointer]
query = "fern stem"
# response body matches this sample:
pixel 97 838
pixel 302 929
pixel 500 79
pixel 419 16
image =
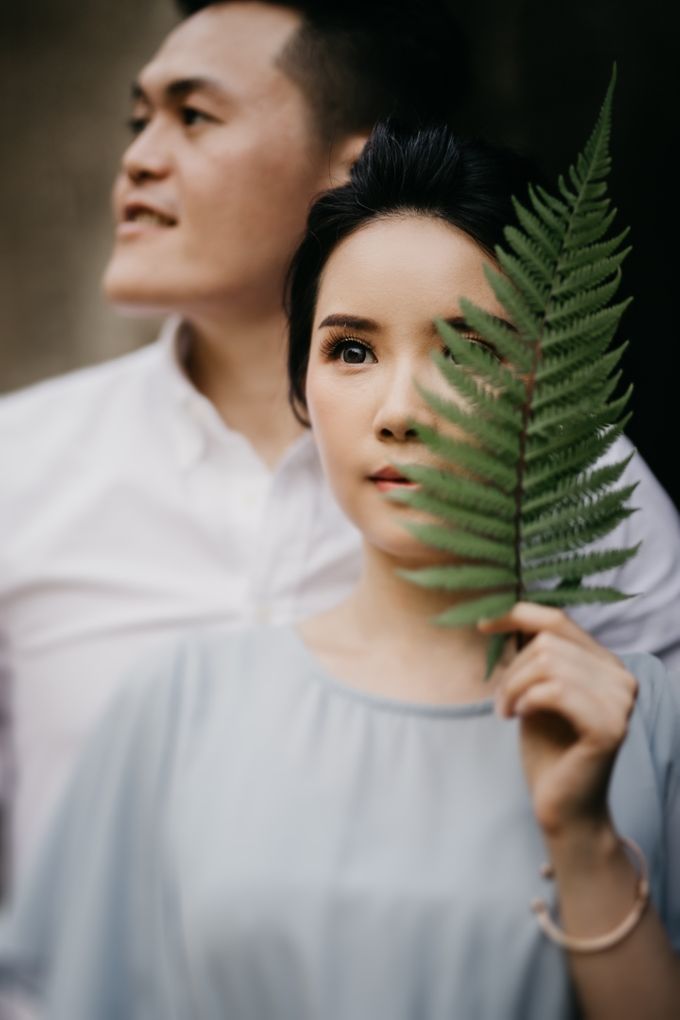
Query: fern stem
pixel 521 640
pixel 521 469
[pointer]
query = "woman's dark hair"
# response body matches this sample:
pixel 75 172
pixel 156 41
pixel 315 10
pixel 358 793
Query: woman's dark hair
pixel 466 182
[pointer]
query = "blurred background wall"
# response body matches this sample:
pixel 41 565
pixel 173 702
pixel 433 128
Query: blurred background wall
pixel 538 70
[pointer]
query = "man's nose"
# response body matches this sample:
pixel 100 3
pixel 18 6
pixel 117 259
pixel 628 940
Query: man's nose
pixel 148 155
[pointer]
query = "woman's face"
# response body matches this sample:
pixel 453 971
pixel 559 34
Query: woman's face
pixel 373 337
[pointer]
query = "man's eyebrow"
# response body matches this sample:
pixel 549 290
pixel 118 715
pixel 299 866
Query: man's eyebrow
pixel 349 322
pixel 458 322
pixel 181 87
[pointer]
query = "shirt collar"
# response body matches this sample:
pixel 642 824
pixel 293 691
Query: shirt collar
pixel 195 420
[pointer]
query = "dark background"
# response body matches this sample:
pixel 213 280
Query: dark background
pixel 538 72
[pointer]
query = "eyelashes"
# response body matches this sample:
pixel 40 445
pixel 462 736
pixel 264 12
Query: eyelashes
pixel 350 349
pixel 136 125
pixel 189 116
pixel 354 351
pixel 480 344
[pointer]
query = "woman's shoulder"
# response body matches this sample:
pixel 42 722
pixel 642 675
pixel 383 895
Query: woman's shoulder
pixel 657 708
pixel 187 674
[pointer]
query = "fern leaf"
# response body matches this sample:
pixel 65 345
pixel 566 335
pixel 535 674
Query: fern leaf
pixel 594 324
pixel 573 461
pixel 579 565
pixel 466 456
pixel 578 596
pixel 563 517
pixel 497 439
pixel 477 358
pixel 591 300
pixel 544 237
pixel 506 341
pixel 458 491
pixel 535 290
pixel 472 521
pixel 477 609
pixel 518 307
pixel 588 255
pixel 572 490
pixel 520 494
pixel 529 252
pixel 460 578
pixel 480 396
pixel 591 273
pixel 459 543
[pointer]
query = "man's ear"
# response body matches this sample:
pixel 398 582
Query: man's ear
pixel 343 155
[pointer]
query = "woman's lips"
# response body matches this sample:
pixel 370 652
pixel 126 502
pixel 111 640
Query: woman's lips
pixel 388 478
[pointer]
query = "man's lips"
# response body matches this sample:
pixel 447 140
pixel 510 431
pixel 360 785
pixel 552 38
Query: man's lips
pixel 138 216
pixel 389 478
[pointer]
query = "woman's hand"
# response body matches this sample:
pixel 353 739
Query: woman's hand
pixel 573 698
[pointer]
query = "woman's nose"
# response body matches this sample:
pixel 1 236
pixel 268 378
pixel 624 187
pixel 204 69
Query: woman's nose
pixel 400 408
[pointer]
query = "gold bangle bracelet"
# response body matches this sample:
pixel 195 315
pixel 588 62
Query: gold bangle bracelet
pixel 597 943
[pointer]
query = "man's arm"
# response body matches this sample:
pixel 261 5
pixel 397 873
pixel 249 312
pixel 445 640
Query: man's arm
pixel 650 621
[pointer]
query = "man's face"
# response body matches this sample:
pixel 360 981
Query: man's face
pixel 214 189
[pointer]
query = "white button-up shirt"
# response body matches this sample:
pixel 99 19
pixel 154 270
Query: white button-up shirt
pixel 129 512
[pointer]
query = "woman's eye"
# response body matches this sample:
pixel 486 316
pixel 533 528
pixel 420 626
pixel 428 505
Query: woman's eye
pixel 353 353
pixel 479 344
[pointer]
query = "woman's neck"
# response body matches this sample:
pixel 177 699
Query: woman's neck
pixel 239 365
pixel 383 639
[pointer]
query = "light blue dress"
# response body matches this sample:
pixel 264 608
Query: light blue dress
pixel 248 838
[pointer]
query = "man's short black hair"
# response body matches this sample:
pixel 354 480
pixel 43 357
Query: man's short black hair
pixel 359 62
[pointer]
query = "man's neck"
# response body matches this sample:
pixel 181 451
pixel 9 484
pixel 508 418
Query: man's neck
pixel 240 366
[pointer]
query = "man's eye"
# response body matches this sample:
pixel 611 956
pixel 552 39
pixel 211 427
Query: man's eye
pixel 136 125
pixel 191 116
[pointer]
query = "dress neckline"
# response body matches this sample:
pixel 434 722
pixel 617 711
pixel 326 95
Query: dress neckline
pixel 319 674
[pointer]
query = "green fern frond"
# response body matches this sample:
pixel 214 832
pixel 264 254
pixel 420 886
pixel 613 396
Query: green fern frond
pixel 571 491
pixel 579 565
pixel 519 494
pixel 460 578
pixel 459 491
pixel 477 609
pixel 562 597
pixel 462 543
pixel 497 438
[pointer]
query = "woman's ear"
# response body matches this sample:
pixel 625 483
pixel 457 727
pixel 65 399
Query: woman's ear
pixel 343 155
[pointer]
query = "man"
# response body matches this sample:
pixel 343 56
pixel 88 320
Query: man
pixel 173 488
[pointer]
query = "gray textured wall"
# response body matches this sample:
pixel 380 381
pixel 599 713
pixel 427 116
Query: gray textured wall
pixel 65 71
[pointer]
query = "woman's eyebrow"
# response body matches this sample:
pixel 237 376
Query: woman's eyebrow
pixel 458 322
pixel 349 322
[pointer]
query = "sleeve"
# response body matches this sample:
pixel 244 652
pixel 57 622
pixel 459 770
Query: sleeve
pixel 650 621
pixel 661 709
pixel 668 728
pixel 85 933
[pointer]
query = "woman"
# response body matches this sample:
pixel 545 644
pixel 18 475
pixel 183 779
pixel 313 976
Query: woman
pixel 333 822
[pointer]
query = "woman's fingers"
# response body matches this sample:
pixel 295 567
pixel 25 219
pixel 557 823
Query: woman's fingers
pixel 536 663
pixel 600 721
pixel 529 618
pixel 589 687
